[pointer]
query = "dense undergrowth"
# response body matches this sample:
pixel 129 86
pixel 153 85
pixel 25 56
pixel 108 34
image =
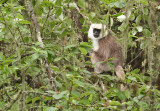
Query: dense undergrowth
pixel 45 63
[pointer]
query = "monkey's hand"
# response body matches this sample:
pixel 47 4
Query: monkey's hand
pixel 93 50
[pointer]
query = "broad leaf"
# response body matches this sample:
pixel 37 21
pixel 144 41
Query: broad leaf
pixel 50 109
pixel 81 3
pixel 83 51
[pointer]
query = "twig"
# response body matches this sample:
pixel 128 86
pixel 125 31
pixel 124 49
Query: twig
pixel 134 58
pixel 45 94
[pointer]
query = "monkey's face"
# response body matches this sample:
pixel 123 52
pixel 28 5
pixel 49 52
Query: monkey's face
pixel 95 31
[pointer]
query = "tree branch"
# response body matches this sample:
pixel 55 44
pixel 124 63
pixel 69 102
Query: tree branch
pixel 38 36
pixel 77 8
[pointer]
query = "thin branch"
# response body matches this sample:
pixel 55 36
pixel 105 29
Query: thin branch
pixel 77 8
pixel 135 57
pixel 48 14
pixel 18 96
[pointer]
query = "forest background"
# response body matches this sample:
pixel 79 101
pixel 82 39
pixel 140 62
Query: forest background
pixel 45 63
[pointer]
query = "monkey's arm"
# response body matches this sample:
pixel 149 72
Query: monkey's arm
pixel 95 57
pixel 103 55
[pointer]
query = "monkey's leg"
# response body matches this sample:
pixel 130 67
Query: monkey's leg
pixel 97 69
pixel 120 73
pixel 94 60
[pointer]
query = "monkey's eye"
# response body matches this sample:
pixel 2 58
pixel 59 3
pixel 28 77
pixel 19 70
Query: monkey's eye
pixel 96 32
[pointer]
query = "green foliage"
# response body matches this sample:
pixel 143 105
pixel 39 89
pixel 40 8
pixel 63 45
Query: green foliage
pixel 25 81
pixel 81 3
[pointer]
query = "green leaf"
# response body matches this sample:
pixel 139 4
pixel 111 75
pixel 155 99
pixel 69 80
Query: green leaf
pixel 127 94
pixel 35 56
pixel 24 22
pixel 132 17
pixel 76 94
pixel 138 19
pixel 19 7
pixel 70 46
pixel 81 3
pixel 83 51
pixel 121 95
pixel 143 45
pixel 50 109
pixel 35 71
pixel 55 68
pixel 51 92
pixel 134 32
pixel 97 63
pixel 157 106
pixel 2 105
pixel 135 71
pixel 58 2
pixel 29 99
pixel 58 12
pixel 93 14
pixel 118 4
pixel 110 64
pixel 143 104
pixel 90 97
pixel 147 33
pixel 35 99
pixel 59 96
pixel 111 21
pixel 139 28
pixel 79 83
pixel 138 77
pixel 118 14
pixel 57 59
pixel 145 11
pixel 48 3
pixel 84 44
pixel 85 101
pixel 2 57
pixel 1 34
pixel 129 108
pixel 19 16
pixel 132 78
pixel 115 103
pixel 26 39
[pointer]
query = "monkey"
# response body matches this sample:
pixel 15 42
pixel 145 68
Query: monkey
pixel 105 48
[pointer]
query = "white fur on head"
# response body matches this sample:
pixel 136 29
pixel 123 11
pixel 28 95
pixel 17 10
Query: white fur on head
pixel 104 33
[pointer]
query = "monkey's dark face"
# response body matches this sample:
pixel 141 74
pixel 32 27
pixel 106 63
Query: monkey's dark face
pixel 96 32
